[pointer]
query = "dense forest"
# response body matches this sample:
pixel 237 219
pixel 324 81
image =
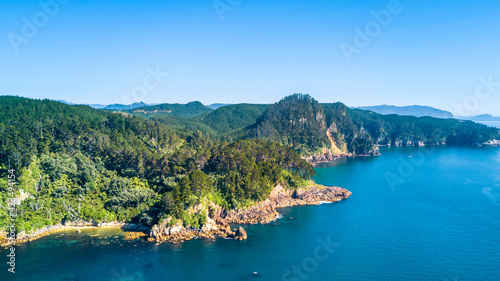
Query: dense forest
pixel 143 165
pixel 75 162
pixel 300 122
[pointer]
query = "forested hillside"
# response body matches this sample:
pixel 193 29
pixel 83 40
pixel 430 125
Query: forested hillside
pixel 182 110
pixel 300 122
pixel 75 162
pixel 296 121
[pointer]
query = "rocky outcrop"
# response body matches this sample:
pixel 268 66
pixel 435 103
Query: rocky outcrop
pixel 168 232
pixel 492 143
pixel 219 218
pixel 329 156
pixel 265 212
pixel 408 143
pixel 240 234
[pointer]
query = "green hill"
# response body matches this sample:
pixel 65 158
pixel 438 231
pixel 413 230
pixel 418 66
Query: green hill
pixel 75 162
pixel 234 117
pixel 181 110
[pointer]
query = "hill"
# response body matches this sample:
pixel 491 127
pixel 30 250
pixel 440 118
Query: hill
pixel 414 110
pixel 233 117
pixel 74 163
pixel 182 110
pixel 124 107
pixel 332 130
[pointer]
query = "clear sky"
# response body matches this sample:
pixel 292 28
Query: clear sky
pixel 256 51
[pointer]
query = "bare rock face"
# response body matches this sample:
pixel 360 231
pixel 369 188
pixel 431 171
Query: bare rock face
pixel 265 212
pixel 328 156
pixel 492 143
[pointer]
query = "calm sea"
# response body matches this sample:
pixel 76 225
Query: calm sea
pixel 491 123
pixel 415 214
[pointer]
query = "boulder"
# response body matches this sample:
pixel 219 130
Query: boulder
pixel 240 234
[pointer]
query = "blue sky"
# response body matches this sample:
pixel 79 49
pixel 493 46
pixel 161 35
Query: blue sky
pixel 429 53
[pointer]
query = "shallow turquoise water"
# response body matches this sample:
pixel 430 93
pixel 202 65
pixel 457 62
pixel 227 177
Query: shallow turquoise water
pixel 437 218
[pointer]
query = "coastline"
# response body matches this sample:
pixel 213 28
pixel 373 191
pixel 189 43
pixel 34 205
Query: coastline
pixel 218 219
pixel 24 237
pixel 329 156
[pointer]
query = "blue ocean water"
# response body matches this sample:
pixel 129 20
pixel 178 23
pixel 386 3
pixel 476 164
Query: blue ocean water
pixel 415 214
pixel 491 123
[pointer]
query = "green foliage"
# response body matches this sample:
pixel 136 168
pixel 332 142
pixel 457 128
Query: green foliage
pixel 182 110
pixel 233 117
pixel 75 162
pixel 296 121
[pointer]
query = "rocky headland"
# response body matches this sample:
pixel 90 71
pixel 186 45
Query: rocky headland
pixel 219 219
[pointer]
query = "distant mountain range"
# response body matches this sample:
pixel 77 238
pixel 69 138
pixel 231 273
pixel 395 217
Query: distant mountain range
pixel 188 110
pixel 482 117
pixel 125 107
pixel 117 106
pixel 193 109
pixel 413 110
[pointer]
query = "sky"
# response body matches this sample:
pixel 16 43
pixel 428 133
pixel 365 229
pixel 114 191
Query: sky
pixel 444 54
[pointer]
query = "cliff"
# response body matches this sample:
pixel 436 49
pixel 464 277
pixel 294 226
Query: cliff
pixel 328 156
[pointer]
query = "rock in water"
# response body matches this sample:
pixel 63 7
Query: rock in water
pixel 240 234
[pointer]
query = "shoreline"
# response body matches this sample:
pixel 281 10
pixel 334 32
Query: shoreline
pixel 329 156
pixel 219 220
pixel 23 237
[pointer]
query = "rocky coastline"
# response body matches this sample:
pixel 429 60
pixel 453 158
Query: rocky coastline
pixel 492 143
pixel 329 156
pixel 219 219
pixel 217 223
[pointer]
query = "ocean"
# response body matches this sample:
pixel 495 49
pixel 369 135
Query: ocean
pixel 491 123
pixel 415 214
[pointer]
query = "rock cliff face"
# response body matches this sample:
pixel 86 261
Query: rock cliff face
pixel 218 219
pixel 328 156
pixel 493 143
